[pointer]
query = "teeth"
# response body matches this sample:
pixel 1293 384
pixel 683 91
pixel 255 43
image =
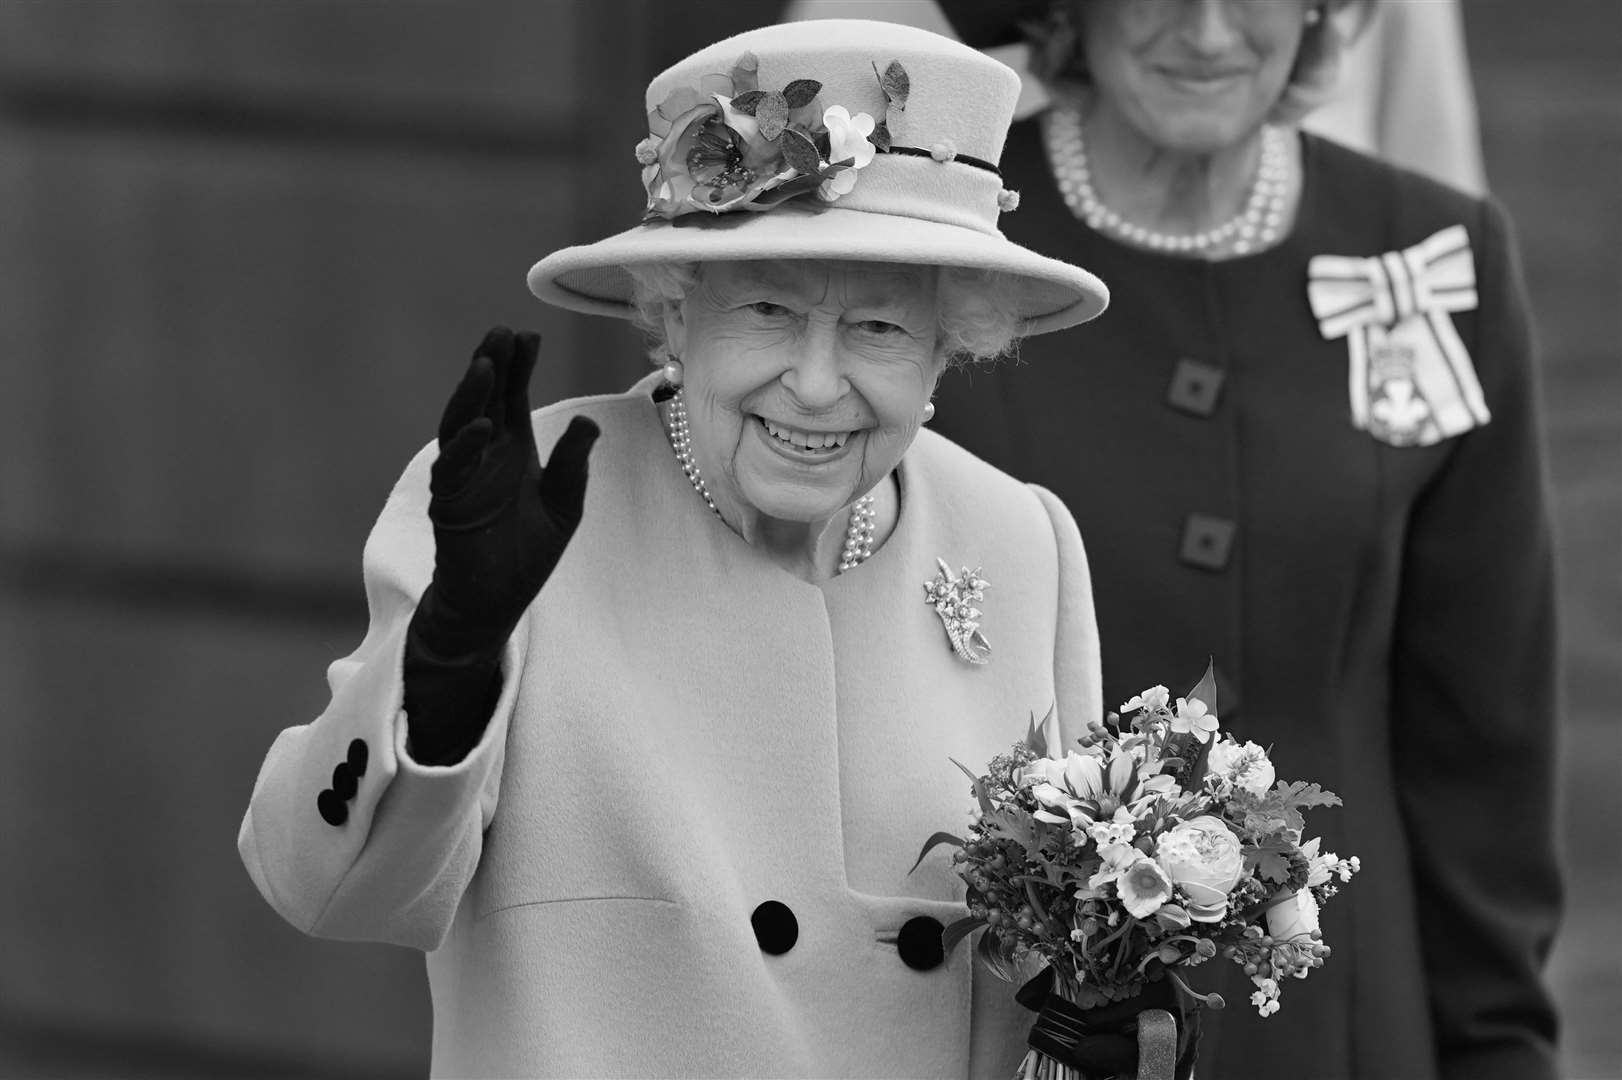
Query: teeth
pixel 806 440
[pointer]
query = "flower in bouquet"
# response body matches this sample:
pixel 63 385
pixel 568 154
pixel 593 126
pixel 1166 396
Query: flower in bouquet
pixel 1153 844
pixel 1205 860
pixel 1241 765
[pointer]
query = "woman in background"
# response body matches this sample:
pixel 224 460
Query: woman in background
pixel 1305 440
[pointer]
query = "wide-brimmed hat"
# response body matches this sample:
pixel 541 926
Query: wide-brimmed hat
pixel 838 139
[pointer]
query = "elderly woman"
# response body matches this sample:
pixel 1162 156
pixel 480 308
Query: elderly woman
pixel 1305 440
pixel 642 761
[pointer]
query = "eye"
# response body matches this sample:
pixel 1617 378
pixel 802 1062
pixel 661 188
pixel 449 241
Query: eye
pixel 879 326
pixel 768 309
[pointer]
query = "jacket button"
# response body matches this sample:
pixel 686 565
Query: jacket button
pixel 919 943
pixel 1207 541
pixel 343 781
pixel 776 928
pixel 1194 387
pixel 334 811
pixel 357 757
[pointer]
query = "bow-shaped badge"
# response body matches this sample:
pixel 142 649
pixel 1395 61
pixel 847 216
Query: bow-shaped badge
pixel 953 598
pixel 1410 378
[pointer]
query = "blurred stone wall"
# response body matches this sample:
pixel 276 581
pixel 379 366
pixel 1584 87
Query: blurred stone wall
pixel 1549 85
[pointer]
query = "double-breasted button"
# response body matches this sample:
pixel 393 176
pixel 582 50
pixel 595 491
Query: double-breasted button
pixel 919 943
pixel 1195 387
pixel 334 810
pixel 343 781
pixel 776 928
pixel 357 757
pixel 1207 541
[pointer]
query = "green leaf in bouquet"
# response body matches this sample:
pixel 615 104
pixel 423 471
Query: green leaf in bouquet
pixel 934 842
pixel 881 137
pixel 979 787
pixel 958 930
pixel 772 115
pixel 1271 858
pixel 1036 737
pixel 1014 825
pixel 800 92
pixel 1206 691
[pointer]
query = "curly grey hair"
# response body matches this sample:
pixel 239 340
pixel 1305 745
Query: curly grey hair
pixel 978 308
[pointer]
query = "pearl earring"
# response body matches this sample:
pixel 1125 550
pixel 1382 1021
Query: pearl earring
pixel 929 411
pixel 673 371
pixel 1314 15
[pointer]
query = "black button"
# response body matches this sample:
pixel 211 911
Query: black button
pixel 1207 541
pixel 919 943
pixel 343 781
pixel 776 928
pixel 357 757
pixel 1194 387
pixel 334 811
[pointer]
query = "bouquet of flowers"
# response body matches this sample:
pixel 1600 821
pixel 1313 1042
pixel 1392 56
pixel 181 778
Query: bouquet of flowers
pixel 1153 846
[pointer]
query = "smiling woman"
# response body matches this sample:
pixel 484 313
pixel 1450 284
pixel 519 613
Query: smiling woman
pixel 806 381
pixel 1305 440
pixel 542 765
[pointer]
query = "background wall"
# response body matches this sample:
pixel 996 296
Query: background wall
pixel 245 250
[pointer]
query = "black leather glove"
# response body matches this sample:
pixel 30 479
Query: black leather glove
pixel 501 523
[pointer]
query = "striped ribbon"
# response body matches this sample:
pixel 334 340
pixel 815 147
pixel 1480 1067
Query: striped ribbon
pixel 1410 377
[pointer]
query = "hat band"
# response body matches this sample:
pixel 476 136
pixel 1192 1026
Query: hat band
pixel 944 155
pixel 917 187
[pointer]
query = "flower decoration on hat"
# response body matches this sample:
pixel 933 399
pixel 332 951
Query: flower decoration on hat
pixel 728 144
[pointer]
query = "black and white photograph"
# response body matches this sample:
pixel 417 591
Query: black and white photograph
pixel 975 539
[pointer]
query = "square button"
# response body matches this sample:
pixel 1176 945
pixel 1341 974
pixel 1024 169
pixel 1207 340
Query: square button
pixel 1194 387
pixel 1207 541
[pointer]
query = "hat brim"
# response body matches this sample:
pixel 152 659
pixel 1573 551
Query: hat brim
pixel 591 278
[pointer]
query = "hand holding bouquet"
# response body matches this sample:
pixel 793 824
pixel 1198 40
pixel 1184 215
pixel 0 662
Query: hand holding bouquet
pixel 1154 846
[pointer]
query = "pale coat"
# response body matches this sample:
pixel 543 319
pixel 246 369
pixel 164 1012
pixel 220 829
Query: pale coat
pixel 684 732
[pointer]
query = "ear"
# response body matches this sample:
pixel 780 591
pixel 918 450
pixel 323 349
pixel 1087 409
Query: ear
pixel 676 327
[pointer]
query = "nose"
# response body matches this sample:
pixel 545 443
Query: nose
pixel 1208 25
pixel 816 374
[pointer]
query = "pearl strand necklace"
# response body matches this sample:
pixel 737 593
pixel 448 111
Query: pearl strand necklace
pixel 858 534
pixel 1257 225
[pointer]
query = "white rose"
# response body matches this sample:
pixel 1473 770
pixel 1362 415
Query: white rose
pixel 1245 767
pixel 1205 860
pixel 1295 918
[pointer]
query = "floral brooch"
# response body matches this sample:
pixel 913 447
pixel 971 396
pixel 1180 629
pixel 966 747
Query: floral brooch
pixel 729 145
pixel 953 598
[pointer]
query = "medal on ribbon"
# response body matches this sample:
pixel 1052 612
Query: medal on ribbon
pixel 1409 375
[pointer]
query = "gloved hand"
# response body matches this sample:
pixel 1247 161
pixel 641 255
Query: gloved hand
pixel 501 523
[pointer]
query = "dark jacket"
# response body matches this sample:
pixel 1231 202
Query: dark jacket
pixel 1381 615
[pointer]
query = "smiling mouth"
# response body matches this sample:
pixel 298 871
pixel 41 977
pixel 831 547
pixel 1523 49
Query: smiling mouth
pixel 806 442
pixel 1201 78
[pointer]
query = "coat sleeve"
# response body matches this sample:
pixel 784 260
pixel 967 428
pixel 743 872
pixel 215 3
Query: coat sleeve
pixel 1474 710
pixel 1077 676
pixel 389 863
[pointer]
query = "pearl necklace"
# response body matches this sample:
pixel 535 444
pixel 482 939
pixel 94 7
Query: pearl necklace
pixel 858 534
pixel 1257 225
